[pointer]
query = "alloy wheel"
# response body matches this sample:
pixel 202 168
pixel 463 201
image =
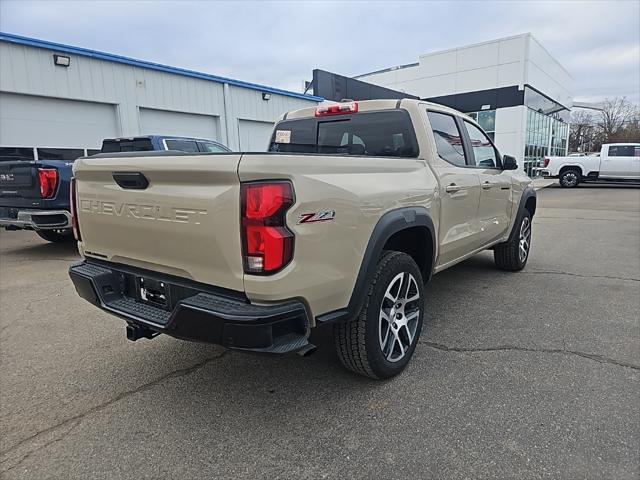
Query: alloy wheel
pixel 570 179
pixel 525 239
pixel 399 314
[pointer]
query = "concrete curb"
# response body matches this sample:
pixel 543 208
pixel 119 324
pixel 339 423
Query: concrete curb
pixel 540 183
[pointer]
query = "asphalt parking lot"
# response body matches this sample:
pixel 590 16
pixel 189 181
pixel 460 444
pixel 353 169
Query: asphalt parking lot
pixel 527 375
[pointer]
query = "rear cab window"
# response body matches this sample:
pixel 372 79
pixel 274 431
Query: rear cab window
pixel 383 133
pixel 127 145
pixel 12 154
pixel 60 153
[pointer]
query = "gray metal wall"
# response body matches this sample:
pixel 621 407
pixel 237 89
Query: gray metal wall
pixel 138 98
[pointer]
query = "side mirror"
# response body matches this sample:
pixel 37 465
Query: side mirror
pixel 509 163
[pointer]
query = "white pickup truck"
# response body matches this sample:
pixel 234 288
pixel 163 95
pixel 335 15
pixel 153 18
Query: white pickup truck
pixel 616 162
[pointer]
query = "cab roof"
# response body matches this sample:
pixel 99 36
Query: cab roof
pixel 370 105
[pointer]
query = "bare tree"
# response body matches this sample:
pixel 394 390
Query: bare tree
pixel 584 134
pixel 618 121
pixel 615 115
pixel 631 130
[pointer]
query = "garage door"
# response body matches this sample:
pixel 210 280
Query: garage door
pixel 27 120
pixel 254 136
pixel 163 122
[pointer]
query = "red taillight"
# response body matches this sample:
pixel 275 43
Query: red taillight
pixel 48 182
pixel 339 109
pixel 74 209
pixel 267 244
pixel 546 162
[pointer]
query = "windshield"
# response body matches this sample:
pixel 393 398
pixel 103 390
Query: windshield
pixel 387 133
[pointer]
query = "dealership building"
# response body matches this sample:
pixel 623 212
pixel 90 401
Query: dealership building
pixel 512 86
pixel 61 101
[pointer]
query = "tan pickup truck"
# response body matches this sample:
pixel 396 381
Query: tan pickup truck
pixel 342 223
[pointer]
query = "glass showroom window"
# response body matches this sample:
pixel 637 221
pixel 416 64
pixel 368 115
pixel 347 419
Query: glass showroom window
pixel 487 120
pixel 538 138
pixel 559 135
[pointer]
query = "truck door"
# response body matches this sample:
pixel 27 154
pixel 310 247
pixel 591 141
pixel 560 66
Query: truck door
pixel 494 213
pixel 459 191
pixel 620 161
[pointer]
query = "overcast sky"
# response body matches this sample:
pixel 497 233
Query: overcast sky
pixel 280 43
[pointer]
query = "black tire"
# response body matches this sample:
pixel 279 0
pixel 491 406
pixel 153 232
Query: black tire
pixel 570 178
pixel 56 236
pixel 359 341
pixel 507 255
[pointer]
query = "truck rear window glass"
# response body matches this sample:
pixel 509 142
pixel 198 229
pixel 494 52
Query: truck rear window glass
pixel 387 133
pixel 12 154
pixel 125 145
pixel 60 153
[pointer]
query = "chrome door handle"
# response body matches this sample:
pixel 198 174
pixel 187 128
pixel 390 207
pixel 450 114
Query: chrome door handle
pixel 453 188
pixel 487 185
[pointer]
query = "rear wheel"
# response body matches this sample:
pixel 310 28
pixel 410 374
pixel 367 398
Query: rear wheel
pixel 380 341
pixel 56 236
pixel 570 178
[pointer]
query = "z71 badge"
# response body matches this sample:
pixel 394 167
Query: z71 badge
pixel 322 216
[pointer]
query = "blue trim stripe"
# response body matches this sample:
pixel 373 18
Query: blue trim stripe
pixel 85 52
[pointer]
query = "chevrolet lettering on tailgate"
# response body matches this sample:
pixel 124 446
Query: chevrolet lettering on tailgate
pixel 143 211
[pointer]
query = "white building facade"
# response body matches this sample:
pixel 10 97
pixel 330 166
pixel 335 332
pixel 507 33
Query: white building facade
pixel 514 88
pixel 55 96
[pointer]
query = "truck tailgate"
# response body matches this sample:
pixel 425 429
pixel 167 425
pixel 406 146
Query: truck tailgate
pixel 186 222
pixel 19 185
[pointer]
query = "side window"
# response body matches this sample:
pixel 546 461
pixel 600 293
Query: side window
pixel 182 145
pixel 483 151
pixel 448 138
pixel 623 151
pixel 210 147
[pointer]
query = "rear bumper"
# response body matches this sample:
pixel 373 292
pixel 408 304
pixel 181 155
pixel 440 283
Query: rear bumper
pixel 543 172
pixel 193 312
pixel 17 219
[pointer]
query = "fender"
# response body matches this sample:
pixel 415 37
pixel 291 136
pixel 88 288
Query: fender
pixel 527 193
pixel 390 223
pixel 580 166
